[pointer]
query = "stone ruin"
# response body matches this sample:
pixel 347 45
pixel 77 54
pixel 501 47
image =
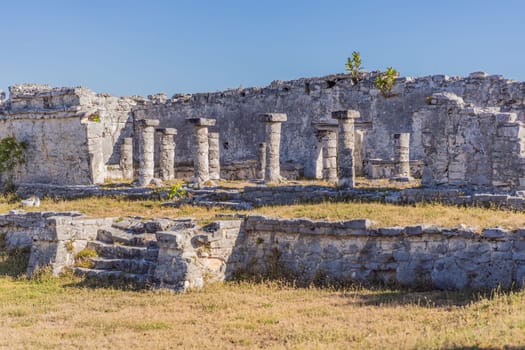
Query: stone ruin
pixel 464 137
pixel 449 131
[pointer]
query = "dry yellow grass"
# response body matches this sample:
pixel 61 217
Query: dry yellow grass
pixel 396 215
pixel 382 214
pixel 58 314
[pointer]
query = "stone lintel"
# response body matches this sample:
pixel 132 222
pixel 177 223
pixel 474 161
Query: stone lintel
pixel 346 114
pixel 273 117
pixel 167 131
pixel 201 121
pixel 148 122
pixel 362 125
pixel 325 126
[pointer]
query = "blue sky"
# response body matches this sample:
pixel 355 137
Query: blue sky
pixel 143 47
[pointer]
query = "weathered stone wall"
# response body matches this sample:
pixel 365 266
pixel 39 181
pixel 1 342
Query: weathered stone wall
pixel 72 133
pixel 189 258
pixel 416 256
pixel 309 251
pixel 307 100
pixel 470 146
pixel 69 145
pixel 342 252
pixel 53 237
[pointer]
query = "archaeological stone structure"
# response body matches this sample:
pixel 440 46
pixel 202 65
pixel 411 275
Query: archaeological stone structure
pixel 181 255
pixel 463 137
pixel 461 132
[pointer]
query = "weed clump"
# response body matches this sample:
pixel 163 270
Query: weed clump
pixel 83 257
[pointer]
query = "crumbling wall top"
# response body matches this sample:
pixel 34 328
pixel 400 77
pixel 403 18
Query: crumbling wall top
pixel 29 90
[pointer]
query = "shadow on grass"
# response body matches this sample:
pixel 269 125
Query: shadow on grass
pixel 506 347
pixel 428 299
pixel 110 282
pixel 13 263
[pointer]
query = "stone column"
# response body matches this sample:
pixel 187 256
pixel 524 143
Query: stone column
pixel 273 143
pixel 317 168
pixel 402 155
pixel 329 140
pixel 167 153
pixel 126 158
pixel 201 167
pixel 261 160
pixel 358 152
pixel 214 156
pixel 345 160
pixel 147 150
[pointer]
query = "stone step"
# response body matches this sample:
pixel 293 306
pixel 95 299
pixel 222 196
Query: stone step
pixel 111 276
pixel 115 235
pixel 115 251
pixel 136 266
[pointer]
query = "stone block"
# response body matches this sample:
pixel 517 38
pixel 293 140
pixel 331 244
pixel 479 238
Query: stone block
pixel 346 114
pixel 448 275
pixel 201 121
pixel 494 233
pixel 391 231
pixel 171 240
pixel 148 122
pixel 273 117
pixel 358 224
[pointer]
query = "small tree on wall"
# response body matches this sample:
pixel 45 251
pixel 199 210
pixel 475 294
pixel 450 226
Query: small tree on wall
pixel 353 66
pixel 385 81
pixel 12 155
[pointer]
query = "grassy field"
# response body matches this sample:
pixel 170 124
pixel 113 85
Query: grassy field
pixel 54 313
pixel 382 214
pixel 67 313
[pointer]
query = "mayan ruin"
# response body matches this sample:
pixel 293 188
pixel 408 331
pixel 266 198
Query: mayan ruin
pixel 462 139
pixel 262 175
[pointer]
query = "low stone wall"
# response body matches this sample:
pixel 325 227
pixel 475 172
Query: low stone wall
pixel 420 256
pixel 415 256
pixel 385 169
pixel 54 238
pixel 255 196
pixel 189 258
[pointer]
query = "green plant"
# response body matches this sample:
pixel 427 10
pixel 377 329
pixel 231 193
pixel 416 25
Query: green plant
pixel 70 246
pixel 94 118
pixel 83 257
pixel 385 81
pixel 177 191
pixel 12 154
pixel 353 66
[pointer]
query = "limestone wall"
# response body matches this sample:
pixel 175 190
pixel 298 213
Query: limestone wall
pixel 71 133
pixel 421 256
pixel 416 256
pixel 305 250
pixel 75 134
pixel 53 237
pixel 471 146
pixel 307 100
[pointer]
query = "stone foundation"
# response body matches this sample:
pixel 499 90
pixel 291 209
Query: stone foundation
pixel 420 256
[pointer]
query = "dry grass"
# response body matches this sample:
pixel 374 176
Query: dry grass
pixel 382 214
pixel 395 215
pixel 361 182
pixel 59 314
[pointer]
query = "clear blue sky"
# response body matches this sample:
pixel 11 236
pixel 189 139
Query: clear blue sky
pixel 128 47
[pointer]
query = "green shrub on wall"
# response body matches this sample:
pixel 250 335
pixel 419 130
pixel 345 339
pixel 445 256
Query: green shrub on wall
pixel 12 155
pixel 353 66
pixel 385 81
